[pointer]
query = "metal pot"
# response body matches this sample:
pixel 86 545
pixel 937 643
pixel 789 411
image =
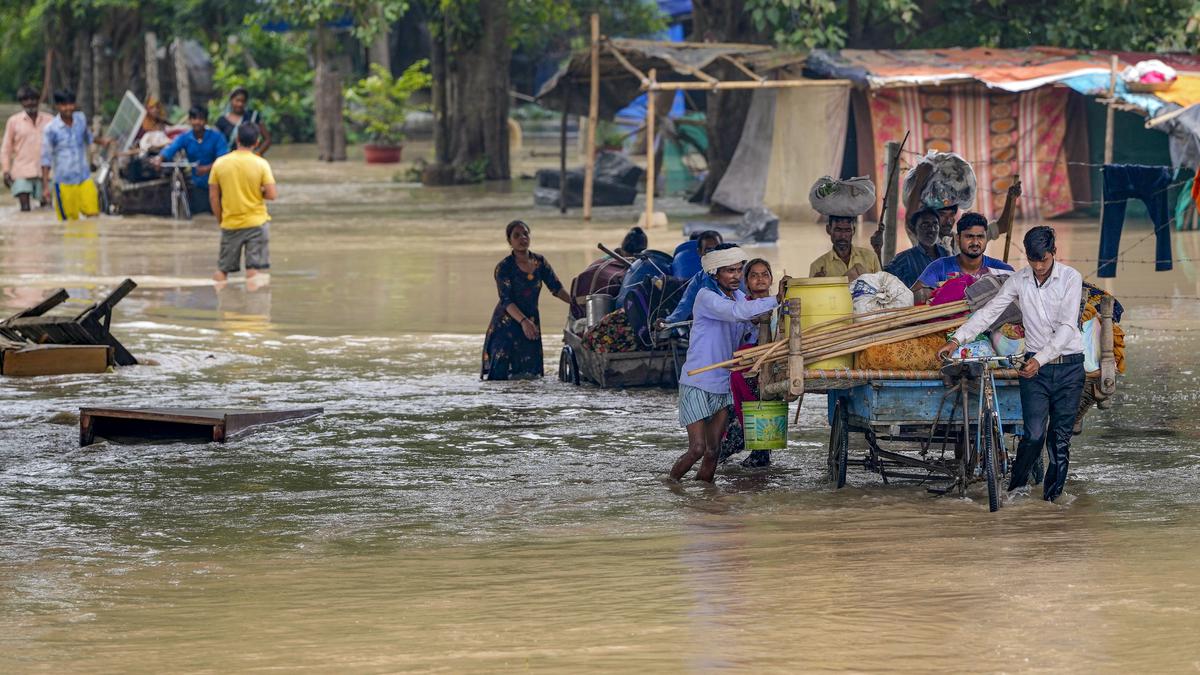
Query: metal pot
pixel 598 306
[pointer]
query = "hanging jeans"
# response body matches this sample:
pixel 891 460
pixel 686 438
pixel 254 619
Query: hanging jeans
pixel 1128 181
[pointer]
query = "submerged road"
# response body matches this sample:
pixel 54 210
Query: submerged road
pixel 431 521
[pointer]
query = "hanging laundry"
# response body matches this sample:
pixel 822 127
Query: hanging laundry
pixel 1128 181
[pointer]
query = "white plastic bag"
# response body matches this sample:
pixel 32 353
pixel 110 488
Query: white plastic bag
pixel 879 290
pixel 950 182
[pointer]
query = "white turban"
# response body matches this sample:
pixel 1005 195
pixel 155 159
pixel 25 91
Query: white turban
pixel 715 260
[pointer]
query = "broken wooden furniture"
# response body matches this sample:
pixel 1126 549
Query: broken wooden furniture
pixel 89 327
pixel 23 359
pixel 206 424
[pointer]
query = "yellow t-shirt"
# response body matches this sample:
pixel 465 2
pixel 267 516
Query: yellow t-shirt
pixel 241 175
pixel 832 266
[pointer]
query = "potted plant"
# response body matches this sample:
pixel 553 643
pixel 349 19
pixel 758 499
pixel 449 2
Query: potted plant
pixel 378 105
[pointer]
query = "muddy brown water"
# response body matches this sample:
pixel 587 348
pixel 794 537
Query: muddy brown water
pixel 429 521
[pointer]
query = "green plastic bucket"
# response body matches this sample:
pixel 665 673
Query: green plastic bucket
pixel 766 424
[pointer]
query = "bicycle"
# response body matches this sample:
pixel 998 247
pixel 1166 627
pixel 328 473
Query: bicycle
pixel 989 446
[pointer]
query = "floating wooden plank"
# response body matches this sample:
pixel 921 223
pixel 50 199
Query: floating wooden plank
pixel 24 359
pixel 212 424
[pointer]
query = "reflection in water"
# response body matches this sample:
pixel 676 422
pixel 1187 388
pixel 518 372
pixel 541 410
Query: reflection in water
pixel 429 520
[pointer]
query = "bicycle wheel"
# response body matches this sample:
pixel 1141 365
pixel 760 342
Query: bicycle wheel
pixel 839 444
pixel 991 459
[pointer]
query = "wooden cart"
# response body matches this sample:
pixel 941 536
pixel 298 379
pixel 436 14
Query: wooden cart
pixel 617 370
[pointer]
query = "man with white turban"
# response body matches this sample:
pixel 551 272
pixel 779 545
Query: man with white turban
pixel 720 321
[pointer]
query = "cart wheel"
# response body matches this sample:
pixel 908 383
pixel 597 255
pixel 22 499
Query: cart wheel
pixel 991 463
pixel 839 444
pixel 568 369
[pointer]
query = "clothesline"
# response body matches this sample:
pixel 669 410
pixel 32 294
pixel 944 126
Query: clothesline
pixel 1098 202
pixel 1017 161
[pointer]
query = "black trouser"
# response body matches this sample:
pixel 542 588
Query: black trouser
pixel 198 200
pixel 1049 402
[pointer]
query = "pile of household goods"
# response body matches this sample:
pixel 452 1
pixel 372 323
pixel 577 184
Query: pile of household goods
pixel 617 299
pixel 1149 76
pixel 615 183
pixel 907 338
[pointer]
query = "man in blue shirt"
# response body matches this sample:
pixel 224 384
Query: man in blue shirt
pixel 924 228
pixel 706 242
pixel 723 317
pixel 203 146
pixel 972 239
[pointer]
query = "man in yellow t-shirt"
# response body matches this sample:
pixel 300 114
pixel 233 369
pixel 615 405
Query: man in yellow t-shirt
pixel 239 184
pixel 844 259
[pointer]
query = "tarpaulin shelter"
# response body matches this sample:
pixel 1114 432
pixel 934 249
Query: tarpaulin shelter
pixel 615 71
pixel 1007 111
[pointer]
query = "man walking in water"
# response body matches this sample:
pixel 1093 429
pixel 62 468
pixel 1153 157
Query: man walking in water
pixel 720 320
pixel 238 185
pixel 21 149
pixel 1048 293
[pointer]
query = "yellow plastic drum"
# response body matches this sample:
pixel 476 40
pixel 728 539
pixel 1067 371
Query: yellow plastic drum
pixel 822 299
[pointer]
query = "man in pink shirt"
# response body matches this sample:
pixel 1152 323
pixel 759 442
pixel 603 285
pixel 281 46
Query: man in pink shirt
pixel 21 150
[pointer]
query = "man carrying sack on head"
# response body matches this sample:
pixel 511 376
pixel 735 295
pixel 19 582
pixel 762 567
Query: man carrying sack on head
pixel 720 320
pixel 842 202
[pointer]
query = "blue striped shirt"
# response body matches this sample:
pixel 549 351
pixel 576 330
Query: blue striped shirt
pixel 64 149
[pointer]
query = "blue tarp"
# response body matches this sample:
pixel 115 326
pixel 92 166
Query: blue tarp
pixel 1097 85
pixel 674 8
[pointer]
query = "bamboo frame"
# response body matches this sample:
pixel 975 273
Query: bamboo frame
pixel 650 178
pixel 626 64
pixel 741 84
pixel 742 67
pixel 589 168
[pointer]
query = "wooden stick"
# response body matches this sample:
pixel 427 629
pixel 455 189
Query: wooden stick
pixel 650 177
pixel 745 84
pixel 589 169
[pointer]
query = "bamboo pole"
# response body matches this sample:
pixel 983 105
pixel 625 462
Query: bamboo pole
pixel 650 179
pixel 893 196
pixel 795 355
pixel 743 84
pixel 562 156
pixel 1108 119
pixel 589 168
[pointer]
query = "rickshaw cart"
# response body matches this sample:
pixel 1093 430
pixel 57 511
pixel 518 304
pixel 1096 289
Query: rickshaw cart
pixel 923 410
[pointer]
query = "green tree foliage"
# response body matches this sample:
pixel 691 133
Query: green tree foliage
pixel 275 68
pixel 1145 25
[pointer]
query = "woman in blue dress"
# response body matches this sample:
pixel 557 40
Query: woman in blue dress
pixel 512 349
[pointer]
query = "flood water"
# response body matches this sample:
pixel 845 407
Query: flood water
pixel 429 521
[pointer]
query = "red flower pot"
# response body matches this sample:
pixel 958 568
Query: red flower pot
pixel 382 154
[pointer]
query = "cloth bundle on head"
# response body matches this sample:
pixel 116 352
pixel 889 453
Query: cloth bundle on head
pixel 939 180
pixel 842 198
pixel 724 257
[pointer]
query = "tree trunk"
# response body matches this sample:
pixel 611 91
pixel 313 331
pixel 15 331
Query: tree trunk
pixel 473 119
pixel 182 81
pixel 153 88
pixel 723 21
pixel 327 98
pixel 83 92
pixel 381 47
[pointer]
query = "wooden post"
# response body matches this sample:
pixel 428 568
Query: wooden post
pixel 589 167
pixel 1108 129
pixel 153 87
pixel 1108 120
pixel 562 158
pixel 182 83
pixel 795 358
pixel 650 178
pixel 893 194
pixel 1108 362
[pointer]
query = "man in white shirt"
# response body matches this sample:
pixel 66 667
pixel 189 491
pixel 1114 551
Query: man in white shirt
pixel 1048 294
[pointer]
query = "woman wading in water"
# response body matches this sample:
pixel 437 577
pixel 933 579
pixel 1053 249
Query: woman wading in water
pixel 512 349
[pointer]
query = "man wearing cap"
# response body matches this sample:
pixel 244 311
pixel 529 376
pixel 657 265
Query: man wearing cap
pixel 720 320
pixel 972 239
pixel 843 201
